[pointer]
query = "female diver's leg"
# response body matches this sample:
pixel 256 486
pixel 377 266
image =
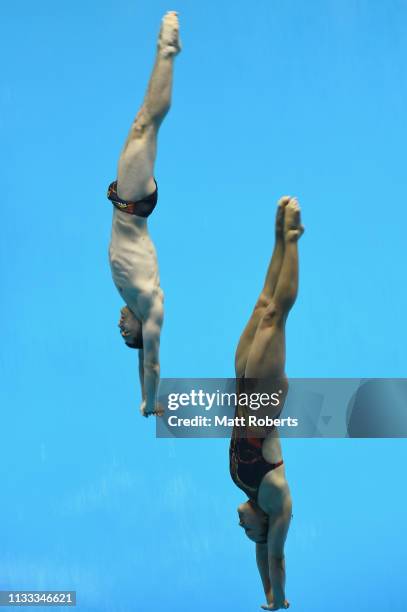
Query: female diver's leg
pixel 266 294
pixel 136 163
pixel 266 359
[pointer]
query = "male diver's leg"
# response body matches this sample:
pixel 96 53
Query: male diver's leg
pixel 273 271
pixel 136 163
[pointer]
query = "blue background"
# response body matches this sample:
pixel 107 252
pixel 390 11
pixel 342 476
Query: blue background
pixel 281 96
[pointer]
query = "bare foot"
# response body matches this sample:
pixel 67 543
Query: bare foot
pixel 282 203
pixel 169 43
pixel 158 411
pixel 293 230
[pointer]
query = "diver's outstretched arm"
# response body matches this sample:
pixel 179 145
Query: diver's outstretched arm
pixel 141 373
pixel 263 567
pixel 151 329
pixel 274 498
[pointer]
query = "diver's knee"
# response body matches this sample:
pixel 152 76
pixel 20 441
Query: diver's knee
pixel 273 314
pixel 262 302
pixel 142 122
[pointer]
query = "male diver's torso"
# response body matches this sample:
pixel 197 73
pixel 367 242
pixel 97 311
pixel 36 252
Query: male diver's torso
pixel 132 255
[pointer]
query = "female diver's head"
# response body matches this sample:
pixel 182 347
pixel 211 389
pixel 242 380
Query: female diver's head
pixel 254 521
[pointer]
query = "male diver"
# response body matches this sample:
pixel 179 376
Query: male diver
pixel 256 463
pixel 132 255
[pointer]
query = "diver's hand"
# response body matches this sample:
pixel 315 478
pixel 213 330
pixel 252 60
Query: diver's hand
pixel 275 605
pixel 147 411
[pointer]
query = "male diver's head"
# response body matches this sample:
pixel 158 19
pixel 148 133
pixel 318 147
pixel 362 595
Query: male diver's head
pixel 254 521
pixel 130 329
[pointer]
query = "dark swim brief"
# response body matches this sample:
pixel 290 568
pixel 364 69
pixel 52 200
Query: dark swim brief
pixel 247 464
pixel 141 208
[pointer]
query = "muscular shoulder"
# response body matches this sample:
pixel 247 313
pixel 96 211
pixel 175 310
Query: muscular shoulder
pixel 151 303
